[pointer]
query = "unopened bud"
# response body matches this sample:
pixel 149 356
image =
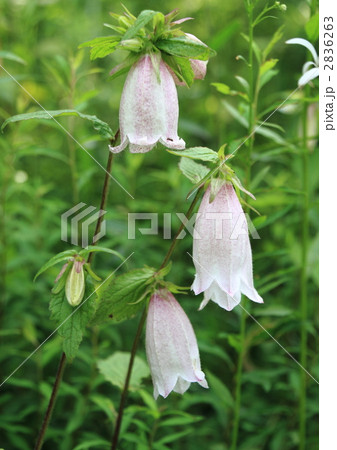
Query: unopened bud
pixel 75 284
pixel 133 45
pixel 283 7
pixel 124 21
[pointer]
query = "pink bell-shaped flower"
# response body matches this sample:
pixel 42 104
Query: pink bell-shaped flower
pixel 149 108
pixel 221 251
pixel 171 346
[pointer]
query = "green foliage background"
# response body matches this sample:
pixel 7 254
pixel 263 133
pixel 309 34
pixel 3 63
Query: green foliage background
pixel 43 173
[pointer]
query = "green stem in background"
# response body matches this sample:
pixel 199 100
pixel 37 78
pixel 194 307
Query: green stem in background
pixel 140 329
pixel 63 361
pixel 243 317
pixel 303 280
pixel 71 144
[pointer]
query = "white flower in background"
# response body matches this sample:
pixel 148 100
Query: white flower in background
pixel 308 74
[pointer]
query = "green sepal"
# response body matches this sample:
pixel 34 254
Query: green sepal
pixel 124 67
pixel 95 248
pixel 66 255
pixel 60 284
pixel 93 275
pixel 142 20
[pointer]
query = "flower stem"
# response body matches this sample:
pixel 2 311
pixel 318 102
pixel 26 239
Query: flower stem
pixel 47 417
pixel 303 281
pixel 237 405
pixel 63 361
pixel 140 329
pixel 103 197
pixel 253 94
pixel 127 380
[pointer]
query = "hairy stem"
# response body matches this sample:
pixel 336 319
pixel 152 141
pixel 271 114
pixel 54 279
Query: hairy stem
pixel 47 417
pixel 127 380
pixel 303 281
pixel 140 329
pixel 104 196
pixel 253 94
pixel 60 370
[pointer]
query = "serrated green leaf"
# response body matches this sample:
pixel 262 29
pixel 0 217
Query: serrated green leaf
pixel 118 298
pixel 66 255
pixel 193 171
pixel 99 41
pixel 101 127
pixel 101 51
pixel 72 321
pixel 201 153
pixel 182 46
pixel 142 20
pixel 115 367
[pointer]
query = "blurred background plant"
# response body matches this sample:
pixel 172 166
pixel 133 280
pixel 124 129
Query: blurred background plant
pixel 44 173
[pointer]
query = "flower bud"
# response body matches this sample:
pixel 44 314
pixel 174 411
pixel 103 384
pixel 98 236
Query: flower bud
pixel 75 284
pixel 134 45
pixel 124 22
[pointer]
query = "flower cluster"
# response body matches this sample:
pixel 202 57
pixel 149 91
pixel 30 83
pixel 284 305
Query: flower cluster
pixel 161 57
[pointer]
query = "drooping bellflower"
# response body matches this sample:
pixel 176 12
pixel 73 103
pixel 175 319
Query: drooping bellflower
pixel 149 108
pixel 171 346
pixel 221 250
